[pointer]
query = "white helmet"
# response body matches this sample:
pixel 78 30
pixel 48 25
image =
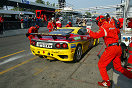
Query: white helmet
pixel 61 18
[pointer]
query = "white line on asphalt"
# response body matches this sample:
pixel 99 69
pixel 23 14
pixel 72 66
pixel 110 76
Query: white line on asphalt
pixel 13 58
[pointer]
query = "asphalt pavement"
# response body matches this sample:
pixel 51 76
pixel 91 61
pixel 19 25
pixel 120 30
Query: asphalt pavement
pixel 23 70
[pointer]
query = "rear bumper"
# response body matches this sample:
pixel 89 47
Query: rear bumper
pixel 60 54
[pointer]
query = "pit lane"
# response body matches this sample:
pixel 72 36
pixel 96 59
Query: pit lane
pixel 21 69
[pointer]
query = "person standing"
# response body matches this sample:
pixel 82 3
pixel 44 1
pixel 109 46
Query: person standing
pixel 29 22
pixel 33 29
pixel 22 23
pixel 114 22
pixel 130 23
pixel 1 24
pixel 51 25
pixel 34 21
pixel 25 22
pixel 59 22
pixel 112 51
pixel 120 23
pixel 69 24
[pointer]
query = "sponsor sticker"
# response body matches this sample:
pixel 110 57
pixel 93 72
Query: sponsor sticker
pixel 77 38
pixel 73 45
pixel 84 37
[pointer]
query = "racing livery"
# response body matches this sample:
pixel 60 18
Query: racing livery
pixel 65 44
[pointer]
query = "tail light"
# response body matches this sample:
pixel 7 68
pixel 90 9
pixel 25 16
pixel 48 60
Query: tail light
pixel 64 45
pixel 131 38
pixel 58 45
pixel 33 43
pixel 61 45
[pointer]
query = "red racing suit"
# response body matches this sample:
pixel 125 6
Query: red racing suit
pixel 58 24
pixel 120 22
pixel 111 53
pixel 51 26
pixel 130 24
pixel 111 21
pixel 32 30
pixel 1 19
pixel 68 25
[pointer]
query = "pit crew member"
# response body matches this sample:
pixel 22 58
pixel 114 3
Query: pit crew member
pixel 32 30
pixel 59 22
pixel 69 24
pixel 51 25
pixel 112 51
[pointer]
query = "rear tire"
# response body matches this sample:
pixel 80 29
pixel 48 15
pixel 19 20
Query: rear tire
pixel 97 42
pixel 78 54
pixel 41 57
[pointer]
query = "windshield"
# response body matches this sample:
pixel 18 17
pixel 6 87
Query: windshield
pixel 69 30
pixel 62 31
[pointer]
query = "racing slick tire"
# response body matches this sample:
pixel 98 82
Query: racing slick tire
pixel 41 56
pixel 78 54
pixel 97 42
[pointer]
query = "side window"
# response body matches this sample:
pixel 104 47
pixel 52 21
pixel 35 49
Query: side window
pixel 82 31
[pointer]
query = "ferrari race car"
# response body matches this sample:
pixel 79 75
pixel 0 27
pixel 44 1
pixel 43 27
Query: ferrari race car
pixel 65 44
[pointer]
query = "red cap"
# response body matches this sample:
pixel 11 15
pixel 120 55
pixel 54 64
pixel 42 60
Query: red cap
pixel 100 17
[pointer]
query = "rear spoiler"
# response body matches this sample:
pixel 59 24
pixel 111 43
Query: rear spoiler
pixel 39 35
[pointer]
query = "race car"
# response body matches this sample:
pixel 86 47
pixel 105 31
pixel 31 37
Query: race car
pixel 64 44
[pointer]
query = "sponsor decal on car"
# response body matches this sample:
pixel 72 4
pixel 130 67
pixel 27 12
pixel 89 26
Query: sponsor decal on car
pixel 77 38
pixel 73 45
pixel 84 37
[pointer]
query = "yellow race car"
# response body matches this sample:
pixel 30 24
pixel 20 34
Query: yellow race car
pixel 65 44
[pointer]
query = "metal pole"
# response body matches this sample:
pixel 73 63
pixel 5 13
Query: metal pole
pixel 124 15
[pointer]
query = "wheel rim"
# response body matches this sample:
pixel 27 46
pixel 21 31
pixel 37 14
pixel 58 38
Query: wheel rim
pixel 78 53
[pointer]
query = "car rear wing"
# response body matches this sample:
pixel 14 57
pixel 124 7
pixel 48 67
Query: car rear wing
pixel 39 35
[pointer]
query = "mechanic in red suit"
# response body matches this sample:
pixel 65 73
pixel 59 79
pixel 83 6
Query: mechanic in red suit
pixel 69 24
pixel 32 30
pixel 120 23
pixel 130 23
pixel 115 23
pixel 51 25
pixel 109 19
pixel 59 22
pixel 112 51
